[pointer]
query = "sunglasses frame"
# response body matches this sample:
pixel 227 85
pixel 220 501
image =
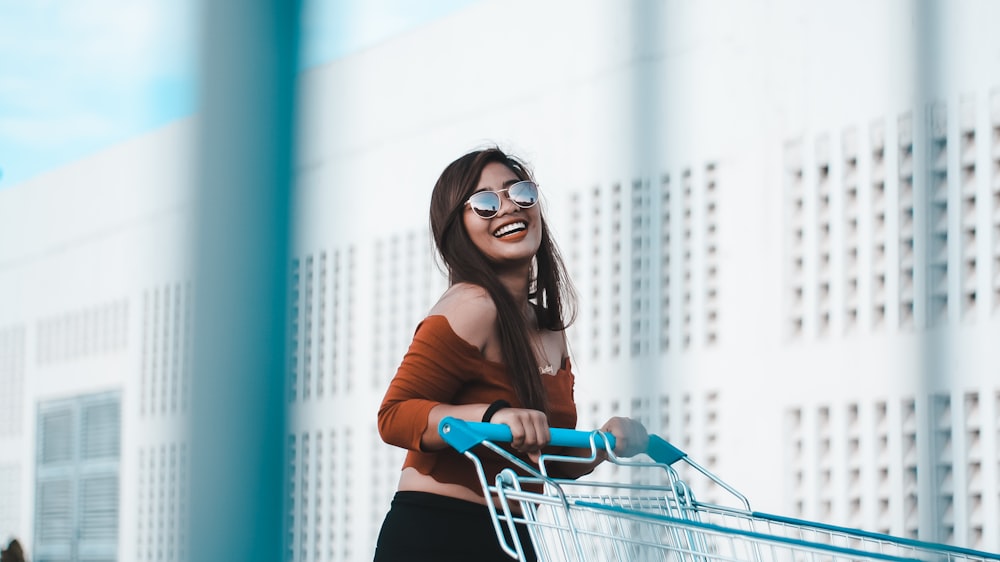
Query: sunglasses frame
pixel 497 192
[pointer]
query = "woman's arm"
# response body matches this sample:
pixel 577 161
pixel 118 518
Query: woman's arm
pixel 420 394
pixel 529 428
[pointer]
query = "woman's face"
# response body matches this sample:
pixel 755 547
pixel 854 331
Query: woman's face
pixel 514 235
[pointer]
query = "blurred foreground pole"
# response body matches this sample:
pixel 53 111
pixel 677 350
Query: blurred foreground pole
pixel 237 425
pixel 930 57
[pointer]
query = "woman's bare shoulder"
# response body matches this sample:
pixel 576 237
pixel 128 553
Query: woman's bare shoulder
pixel 470 311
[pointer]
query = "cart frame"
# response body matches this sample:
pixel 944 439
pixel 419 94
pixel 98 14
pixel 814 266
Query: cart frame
pixel 694 529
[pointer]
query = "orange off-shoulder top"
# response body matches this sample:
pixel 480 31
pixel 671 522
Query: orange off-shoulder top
pixel 442 368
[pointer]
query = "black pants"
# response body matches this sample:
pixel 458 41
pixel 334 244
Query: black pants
pixel 422 526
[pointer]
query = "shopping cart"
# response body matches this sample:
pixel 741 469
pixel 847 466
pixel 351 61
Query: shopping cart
pixel 586 519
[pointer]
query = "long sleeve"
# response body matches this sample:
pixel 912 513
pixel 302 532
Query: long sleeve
pixel 442 368
pixel 433 370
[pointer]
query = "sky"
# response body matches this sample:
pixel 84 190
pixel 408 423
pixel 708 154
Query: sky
pixel 77 76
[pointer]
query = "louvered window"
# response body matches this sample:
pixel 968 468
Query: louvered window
pixel 77 489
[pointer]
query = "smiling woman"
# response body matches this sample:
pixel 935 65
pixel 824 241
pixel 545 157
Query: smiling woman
pixel 493 348
pixel 507 233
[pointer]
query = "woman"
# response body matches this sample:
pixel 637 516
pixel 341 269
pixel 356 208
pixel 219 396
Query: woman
pixel 493 349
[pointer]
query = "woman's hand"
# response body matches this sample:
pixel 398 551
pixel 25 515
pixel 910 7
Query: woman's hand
pixel 630 436
pixel 529 428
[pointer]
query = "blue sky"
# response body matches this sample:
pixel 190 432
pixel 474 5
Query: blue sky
pixel 79 75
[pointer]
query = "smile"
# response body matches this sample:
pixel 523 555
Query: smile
pixel 509 229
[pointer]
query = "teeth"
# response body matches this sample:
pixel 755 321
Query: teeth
pixel 512 227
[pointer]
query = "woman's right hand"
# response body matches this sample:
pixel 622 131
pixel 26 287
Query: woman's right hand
pixel 529 428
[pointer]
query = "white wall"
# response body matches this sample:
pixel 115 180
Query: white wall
pixel 816 423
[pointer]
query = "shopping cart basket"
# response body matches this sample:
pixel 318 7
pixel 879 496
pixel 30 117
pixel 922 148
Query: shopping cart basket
pixel 586 519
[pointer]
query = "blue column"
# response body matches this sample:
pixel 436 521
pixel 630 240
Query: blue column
pixel 241 249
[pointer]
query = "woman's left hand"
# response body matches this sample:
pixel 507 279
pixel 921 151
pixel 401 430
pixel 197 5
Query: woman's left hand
pixel 630 436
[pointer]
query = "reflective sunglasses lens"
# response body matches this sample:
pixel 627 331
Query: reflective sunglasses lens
pixel 485 204
pixel 524 194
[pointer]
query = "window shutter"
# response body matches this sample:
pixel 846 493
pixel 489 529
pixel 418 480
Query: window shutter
pixel 55 512
pixel 99 508
pixel 57 436
pixel 101 431
pixel 55 506
pixel 77 493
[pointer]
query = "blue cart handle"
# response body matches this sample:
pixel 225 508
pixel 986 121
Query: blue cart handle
pixel 463 435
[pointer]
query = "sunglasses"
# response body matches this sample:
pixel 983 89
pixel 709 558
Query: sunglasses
pixel 486 204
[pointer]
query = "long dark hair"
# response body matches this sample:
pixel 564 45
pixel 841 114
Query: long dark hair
pixel 549 288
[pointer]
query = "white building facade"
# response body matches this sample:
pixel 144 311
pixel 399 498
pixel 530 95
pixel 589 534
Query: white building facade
pixel 786 247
